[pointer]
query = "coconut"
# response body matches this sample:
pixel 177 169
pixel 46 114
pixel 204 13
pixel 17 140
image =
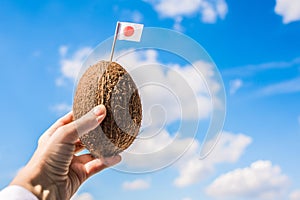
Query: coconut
pixel 108 83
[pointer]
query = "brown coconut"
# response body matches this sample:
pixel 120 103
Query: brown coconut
pixel 108 83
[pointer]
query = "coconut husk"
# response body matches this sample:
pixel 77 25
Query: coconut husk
pixel 108 83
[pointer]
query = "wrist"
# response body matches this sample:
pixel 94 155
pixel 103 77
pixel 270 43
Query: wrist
pixel 28 180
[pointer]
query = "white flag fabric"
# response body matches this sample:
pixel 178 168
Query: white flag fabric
pixel 130 31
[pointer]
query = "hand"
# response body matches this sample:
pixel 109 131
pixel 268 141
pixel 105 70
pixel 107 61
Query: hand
pixel 54 172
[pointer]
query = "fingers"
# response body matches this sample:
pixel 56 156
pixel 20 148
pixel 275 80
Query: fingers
pixel 93 165
pixel 111 161
pixel 69 133
pixel 60 122
pixel 96 165
pixel 66 119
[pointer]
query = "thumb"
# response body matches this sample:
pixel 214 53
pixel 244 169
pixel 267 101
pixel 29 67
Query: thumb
pixel 72 131
pixel 90 120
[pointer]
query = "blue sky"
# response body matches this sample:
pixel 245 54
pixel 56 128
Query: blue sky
pixel 255 45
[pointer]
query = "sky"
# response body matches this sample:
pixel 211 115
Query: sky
pixel 248 52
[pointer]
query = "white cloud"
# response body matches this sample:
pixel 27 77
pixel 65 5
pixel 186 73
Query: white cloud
pixel 235 85
pixel 159 151
pixel 61 108
pixel 229 149
pixel 284 87
pixel 174 8
pixel 60 81
pixel 156 152
pixel 83 196
pixel 180 91
pixel 70 66
pixel 187 198
pixel 288 9
pixel 249 70
pixel 261 180
pixel 210 11
pixel 63 50
pixel 137 16
pixel 138 184
pixel 193 171
pixel 128 15
pixel 288 86
pixel 177 24
pixel 295 195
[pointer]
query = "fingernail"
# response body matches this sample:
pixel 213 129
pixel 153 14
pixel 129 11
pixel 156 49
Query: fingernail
pixel 99 111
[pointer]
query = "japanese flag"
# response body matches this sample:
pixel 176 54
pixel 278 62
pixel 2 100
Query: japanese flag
pixel 130 31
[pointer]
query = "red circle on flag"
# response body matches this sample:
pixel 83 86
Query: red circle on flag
pixel 128 31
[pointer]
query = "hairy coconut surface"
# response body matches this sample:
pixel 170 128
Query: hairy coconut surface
pixel 108 83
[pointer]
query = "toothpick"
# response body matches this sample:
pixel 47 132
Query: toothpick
pixel 114 42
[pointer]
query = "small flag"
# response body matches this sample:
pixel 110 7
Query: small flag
pixel 130 31
pixel 126 31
